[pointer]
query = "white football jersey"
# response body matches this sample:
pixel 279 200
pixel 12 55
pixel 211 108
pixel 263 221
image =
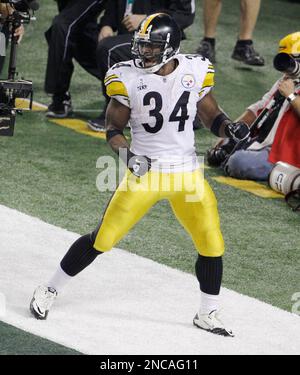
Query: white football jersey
pixel 163 108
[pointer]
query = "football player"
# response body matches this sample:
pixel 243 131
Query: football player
pixel 159 92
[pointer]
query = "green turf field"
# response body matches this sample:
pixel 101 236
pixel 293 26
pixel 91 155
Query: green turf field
pixel 50 172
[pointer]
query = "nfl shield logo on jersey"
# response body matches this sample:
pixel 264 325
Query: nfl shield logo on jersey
pixel 188 81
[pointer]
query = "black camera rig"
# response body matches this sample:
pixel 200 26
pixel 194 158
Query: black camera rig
pixel 11 88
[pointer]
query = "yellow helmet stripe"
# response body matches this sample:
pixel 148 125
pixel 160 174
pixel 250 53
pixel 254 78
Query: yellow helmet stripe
pixel 148 21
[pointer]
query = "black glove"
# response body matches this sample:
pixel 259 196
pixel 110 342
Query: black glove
pixel 238 131
pixel 137 164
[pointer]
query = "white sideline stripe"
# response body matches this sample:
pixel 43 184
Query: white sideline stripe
pixel 126 304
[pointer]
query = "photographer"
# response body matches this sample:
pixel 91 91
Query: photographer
pixel 276 137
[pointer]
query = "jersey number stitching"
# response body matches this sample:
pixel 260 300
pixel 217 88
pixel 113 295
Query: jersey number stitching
pixel 181 105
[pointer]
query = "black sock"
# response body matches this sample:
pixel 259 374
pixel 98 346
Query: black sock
pixel 80 255
pixel 61 95
pixel 243 42
pixel 209 272
pixel 211 41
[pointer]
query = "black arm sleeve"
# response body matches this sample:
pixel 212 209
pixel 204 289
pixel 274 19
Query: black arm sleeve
pixel 110 16
pixel 183 11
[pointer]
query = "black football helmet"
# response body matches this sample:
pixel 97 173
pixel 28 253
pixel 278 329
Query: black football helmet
pixel 156 42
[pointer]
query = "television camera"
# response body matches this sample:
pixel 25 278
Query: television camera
pixel 21 12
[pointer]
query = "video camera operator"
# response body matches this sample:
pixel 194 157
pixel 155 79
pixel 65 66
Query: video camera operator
pixel 14 13
pixel 274 122
pixel 6 10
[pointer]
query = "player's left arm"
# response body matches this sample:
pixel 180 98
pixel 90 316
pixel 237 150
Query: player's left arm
pixel 218 122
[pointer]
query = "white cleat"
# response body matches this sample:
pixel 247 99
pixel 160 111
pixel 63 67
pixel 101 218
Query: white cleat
pixel 212 323
pixel 41 302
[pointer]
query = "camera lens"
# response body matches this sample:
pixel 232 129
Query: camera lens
pixel 286 64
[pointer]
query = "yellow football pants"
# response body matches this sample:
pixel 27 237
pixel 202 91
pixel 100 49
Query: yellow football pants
pixel 191 198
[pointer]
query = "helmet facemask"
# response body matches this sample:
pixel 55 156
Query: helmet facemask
pixel 151 54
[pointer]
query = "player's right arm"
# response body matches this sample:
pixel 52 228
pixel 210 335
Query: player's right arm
pixel 117 117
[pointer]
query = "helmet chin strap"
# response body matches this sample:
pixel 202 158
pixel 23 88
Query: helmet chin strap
pixel 155 68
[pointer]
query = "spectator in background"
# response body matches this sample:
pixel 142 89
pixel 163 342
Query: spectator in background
pixel 278 138
pixel 123 17
pixel 73 34
pixel 243 50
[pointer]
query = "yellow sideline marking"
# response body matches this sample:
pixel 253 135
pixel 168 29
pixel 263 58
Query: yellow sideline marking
pixel 250 186
pixel 75 124
pixel 24 104
pixel 78 126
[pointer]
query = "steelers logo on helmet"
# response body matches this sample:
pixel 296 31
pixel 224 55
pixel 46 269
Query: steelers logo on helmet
pixel 156 42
